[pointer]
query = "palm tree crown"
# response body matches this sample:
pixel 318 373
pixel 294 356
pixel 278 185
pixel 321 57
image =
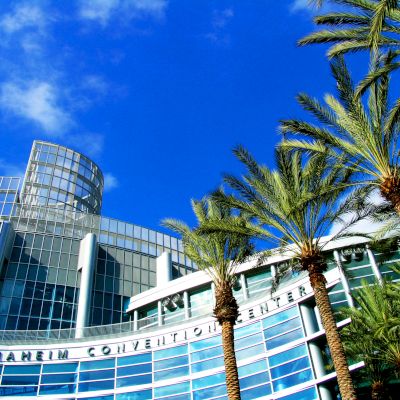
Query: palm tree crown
pixel 218 254
pixel 374 333
pixel 369 24
pixel 294 205
pixel 365 132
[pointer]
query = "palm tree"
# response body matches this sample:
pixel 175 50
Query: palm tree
pixel 293 207
pixel 218 254
pixel 369 24
pixel 365 132
pixel 374 333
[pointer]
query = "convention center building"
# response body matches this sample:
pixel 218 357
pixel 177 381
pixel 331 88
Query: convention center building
pixel 96 308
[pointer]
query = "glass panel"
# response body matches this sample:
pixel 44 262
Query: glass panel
pixel 20 380
pixel 209 364
pixel 255 393
pixel 171 362
pixel 280 317
pixel 171 373
pixel 247 330
pixel 283 327
pixel 134 380
pixel 290 367
pixel 252 368
pixel 292 380
pixel 209 393
pixel 208 353
pixel 100 364
pixel 173 351
pixel 287 355
pixel 98 385
pixel 202 344
pixel 172 389
pixel 57 389
pixel 142 395
pixel 208 380
pixel 21 369
pixel 134 369
pixel 95 375
pixel 284 339
pixel 58 378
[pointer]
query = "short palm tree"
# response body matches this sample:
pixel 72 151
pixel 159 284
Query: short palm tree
pixel 374 333
pixel 218 254
pixel 364 131
pixel 369 24
pixel 294 207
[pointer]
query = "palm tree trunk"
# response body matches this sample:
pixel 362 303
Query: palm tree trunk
pixel 226 312
pixel 318 283
pixel 232 377
pixel 378 391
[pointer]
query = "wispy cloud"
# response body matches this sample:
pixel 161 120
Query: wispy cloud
pixel 364 225
pixel 38 102
pixel 110 182
pixel 102 11
pixel 89 143
pixel 10 169
pixel 309 7
pixel 219 22
pixel 24 16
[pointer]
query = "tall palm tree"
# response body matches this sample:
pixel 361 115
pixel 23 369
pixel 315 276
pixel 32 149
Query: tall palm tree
pixel 218 254
pixel 365 131
pixel 294 207
pixel 369 24
pixel 374 333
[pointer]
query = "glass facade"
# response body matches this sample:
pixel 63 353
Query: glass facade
pixel 192 370
pixel 141 344
pixel 9 192
pixel 59 177
pixel 55 209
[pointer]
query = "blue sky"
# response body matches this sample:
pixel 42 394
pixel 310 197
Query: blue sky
pixel 157 92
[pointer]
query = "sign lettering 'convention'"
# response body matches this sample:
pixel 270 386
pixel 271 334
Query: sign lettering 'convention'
pixel 156 341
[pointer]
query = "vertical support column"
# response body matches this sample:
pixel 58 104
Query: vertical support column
pixel 308 316
pixel 325 393
pixel 163 269
pixel 317 360
pixel 159 313
pixel 343 279
pixel 273 271
pixel 318 318
pixel 135 320
pixel 186 304
pixel 86 264
pixel 6 238
pixel 244 287
pixel 213 292
pixel 374 265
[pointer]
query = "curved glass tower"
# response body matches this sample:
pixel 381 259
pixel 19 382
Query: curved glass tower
pixel 64 265
pixel 60 177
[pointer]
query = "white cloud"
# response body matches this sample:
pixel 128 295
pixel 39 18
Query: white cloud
pixel 90 144
pixel 222 17
pixel 24 16
pixel 364 225
pixel 300 5
pixel 95 83
pixel 37 102
pixel 220 20
pixel 102 11
pixel 10 169
pixel 110 182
